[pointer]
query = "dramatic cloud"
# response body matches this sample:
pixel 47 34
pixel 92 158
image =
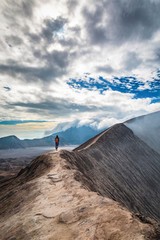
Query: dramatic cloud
pixel 86 61
pixel 52 28
pixel 13 41
pixel 119 21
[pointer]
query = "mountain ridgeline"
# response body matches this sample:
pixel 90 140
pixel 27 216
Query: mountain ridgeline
pixel 56 194
pixel 10 142
pixel 71 136
pixel 119 165
pixel 146 127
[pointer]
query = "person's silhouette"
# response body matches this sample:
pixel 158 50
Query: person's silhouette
pixel 56 142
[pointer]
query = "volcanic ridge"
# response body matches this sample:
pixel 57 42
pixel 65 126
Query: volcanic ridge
pixel 106 189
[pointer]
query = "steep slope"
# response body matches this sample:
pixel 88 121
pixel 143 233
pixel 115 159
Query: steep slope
pixel 10 142
pixel 119 165
pixel 45 202
pixel 147 128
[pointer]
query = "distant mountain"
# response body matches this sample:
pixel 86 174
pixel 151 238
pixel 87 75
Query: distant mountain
pixel 78 135
pixel 10 142
pixel 147 128
pixel 71 136
pixel 43 142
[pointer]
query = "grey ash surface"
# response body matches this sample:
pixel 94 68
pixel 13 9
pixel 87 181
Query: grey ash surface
pixel 119 165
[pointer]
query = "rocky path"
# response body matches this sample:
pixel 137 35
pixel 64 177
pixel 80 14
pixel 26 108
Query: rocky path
pixel 52 205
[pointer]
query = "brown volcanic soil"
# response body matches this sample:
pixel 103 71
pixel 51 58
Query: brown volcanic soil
pixel 45 202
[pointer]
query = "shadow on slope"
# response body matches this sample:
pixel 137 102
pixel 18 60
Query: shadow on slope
pixel 20 188
pixel 119 165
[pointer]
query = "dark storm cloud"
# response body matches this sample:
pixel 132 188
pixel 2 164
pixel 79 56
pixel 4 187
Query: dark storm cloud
pixel 48 35
pixel 69 43
pixel 15 9
pixel 55 62
pixel 95 30
pixel 125 20
pixel 76 30
pixel 51 27
pixel 60 58
pixel 56 65
pixel 29 73
pixel 34 42
pixel 48 32
pixel 27 7
pixel 156 56
pixel 18 16
pixel 13 40
pixel 58 107
pixel 34 38
pixel 37 54
pixel 72 4
pixel 137 18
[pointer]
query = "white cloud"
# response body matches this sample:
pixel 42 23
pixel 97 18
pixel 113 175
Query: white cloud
pixel 45 43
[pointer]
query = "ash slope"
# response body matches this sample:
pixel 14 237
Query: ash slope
pixel 120 166
pixel 46 202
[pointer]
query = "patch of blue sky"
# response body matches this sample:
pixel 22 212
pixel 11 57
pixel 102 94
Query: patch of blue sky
pixel 139 89
pixel 155 83
pixel 155 100
pixel 18 122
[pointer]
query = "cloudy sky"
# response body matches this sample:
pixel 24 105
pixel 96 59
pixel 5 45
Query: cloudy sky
pixel 93 62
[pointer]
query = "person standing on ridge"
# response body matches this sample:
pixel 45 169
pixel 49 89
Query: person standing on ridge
pixel 56 142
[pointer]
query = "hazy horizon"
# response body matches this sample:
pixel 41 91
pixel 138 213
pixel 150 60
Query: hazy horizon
pixel 31 151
